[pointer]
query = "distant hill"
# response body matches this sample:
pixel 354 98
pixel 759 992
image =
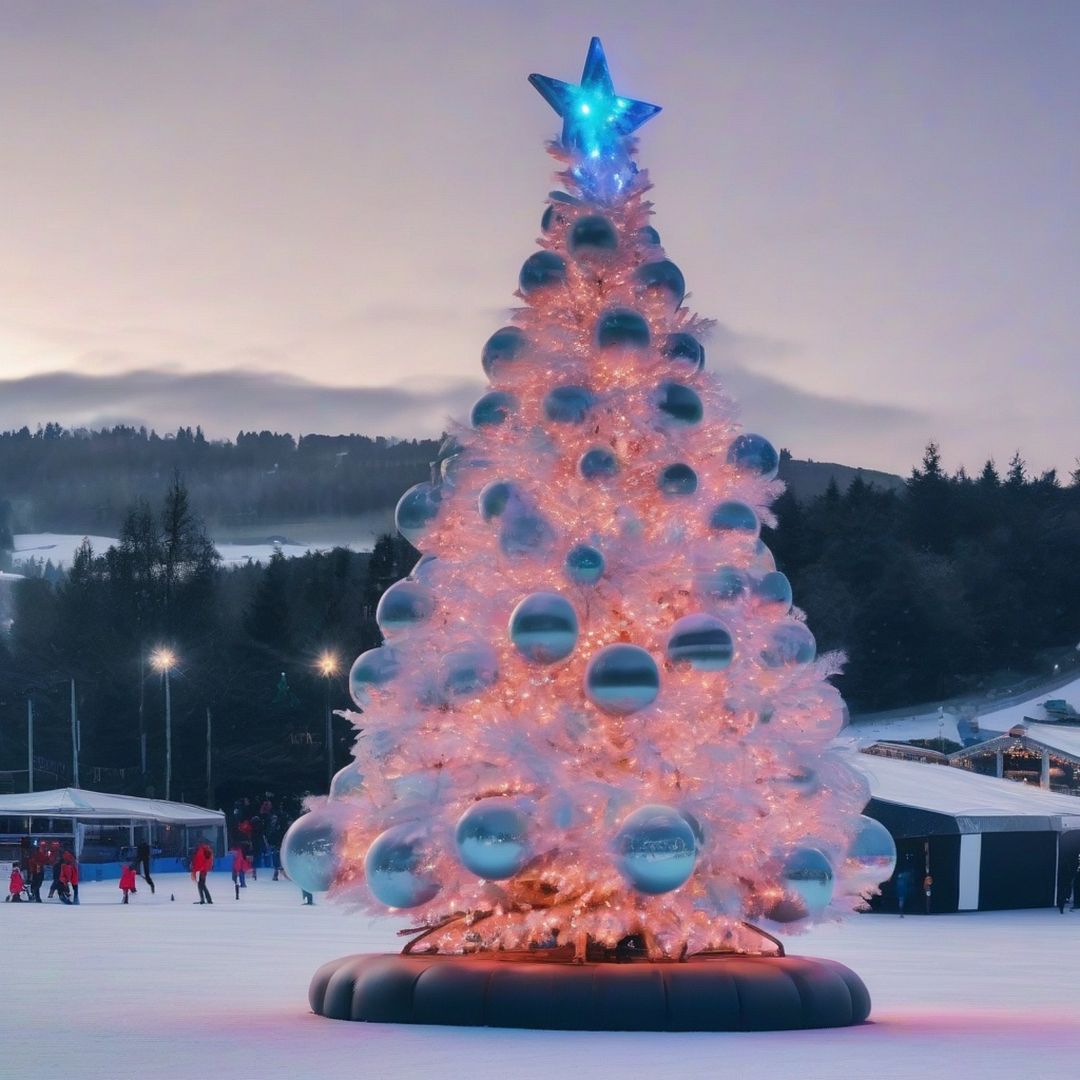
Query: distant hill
pixel 808 479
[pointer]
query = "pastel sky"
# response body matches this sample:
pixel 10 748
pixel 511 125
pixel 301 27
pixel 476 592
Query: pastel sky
pixel 308 216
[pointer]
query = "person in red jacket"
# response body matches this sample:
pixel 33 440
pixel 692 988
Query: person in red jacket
pixel 240 867
pixel 127 881
pixel 15 885
pixel 202 862
pixel 69 875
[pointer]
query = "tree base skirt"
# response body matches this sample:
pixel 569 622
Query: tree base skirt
pixel 723 993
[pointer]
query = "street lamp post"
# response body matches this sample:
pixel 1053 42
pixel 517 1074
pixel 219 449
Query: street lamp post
pixel 164 660
pixel 328 667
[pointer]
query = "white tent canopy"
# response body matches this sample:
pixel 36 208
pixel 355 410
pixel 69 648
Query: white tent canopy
pixel 80 804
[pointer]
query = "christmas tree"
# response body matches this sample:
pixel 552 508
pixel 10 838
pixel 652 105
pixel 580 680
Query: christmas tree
pixel 596 720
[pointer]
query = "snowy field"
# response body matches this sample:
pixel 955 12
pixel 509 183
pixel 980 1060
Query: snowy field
pixel 158 989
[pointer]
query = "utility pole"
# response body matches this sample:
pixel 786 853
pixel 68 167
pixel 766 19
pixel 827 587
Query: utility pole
pixel 30 743
pixel 209 773
pixel 168 737
pixel 74 737
pixel 142 708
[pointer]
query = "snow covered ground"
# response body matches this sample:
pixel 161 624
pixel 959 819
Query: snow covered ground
pixel 162 990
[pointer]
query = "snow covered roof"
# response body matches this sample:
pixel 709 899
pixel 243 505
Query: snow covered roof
pixel 944 789
pixel 97 805
pixel 1004 718
pixel 1063 737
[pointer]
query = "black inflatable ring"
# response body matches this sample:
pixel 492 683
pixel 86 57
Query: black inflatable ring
pixel 727 993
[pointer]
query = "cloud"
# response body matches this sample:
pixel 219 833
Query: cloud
pixel 224 402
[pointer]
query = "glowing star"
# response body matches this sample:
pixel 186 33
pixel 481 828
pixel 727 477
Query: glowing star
pixel 597 125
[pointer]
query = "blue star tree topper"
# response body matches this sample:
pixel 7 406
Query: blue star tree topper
pixel 598 126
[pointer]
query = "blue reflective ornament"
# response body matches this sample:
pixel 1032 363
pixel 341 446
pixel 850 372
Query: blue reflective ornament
pixel 598 464
pixel 621 679
pixel 541 270
pixel 808 880
pixel 544 628
pixel 568 404
pixel 395 867
pixel 648 235
pixel 416 510
pixel 503 349
pixel 309 852
pixel 725 582
pixel 556 213
pixel 494 408
pixel 871 857
pixel 663 275
pixel 679 403
pixel 754 454
pixel 346 782
pixel 592 235
pixel 373 668
pixel 496 497
pixel 425 569
pixel 492 839
pixel 763 561
pixel 683 348
pixel 469 670
pixel 525 532
pixel 734 516
pixel 695 827
pixel 584 564
pixel 773 590
pixel 655 849
pixel 702 641
pixel 404 605
pixel 677 479
pixel 622 328
pixel 789 644
pixel 597 125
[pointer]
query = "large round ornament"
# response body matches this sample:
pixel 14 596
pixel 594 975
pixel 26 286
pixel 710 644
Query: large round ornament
pixel 493 409
pixel 599 463
pixel 346 782
pixel 592 235
pixel 871 856
pixel 656 849
pixel 621 679
pixel 679 403
pixel 725 582
pixel 525 532
pixel 416 510
pixel 492 838
pixel 622 328
pixel 648 235
pixel 736 517
pixel 763 561
pixel 584 564
pixel 808 880
pixel 754 454
pixel 789 644
pixel 404 605
pixel 394 867
pixel 568 404
pixel 495 498
pixel 309 852
pixel 469 670
pixel 544 628
pixel 683 348
pixel 773 591
pixel 541 270
pixel 664 276
pixel 373 668
pixel 677 479
pixel 503 349
pixel 702 641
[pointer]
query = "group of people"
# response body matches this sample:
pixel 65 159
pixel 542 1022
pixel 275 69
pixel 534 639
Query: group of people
pixel 29 878
pixel 257 825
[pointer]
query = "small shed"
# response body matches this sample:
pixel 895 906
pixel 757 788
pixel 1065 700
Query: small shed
pixel 102 829
pixel 987 844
